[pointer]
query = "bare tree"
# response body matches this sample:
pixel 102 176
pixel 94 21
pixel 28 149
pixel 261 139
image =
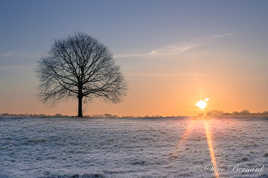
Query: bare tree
pixel 81 67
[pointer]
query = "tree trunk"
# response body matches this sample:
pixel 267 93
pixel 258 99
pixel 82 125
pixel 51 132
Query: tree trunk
pixel 80 106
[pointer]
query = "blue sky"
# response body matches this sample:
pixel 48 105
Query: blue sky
pixel 151 40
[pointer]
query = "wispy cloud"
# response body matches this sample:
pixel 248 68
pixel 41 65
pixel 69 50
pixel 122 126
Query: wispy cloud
pixel 221 35
pixel 181 75
pixel 19 58
pixel 175 49
pixel 20 53
pixel 7 54
pixel 166 50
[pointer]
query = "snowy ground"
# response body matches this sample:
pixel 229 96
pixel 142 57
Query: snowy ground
pixel 54 147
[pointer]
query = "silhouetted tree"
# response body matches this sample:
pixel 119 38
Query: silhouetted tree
pixel 81 67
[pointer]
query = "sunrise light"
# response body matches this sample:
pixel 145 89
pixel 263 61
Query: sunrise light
pixel 202 104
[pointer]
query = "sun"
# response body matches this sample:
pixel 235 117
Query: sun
pixel 202 104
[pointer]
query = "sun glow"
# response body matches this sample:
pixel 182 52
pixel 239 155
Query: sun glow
pixel 202 104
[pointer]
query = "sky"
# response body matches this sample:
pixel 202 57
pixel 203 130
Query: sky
pixel 172 53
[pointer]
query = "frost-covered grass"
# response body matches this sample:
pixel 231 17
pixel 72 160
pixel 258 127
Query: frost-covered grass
pixel 53 147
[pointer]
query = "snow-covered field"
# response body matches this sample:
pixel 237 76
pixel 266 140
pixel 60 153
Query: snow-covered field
pixel 54 147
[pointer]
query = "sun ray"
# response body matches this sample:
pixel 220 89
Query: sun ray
pixel 202 104
pixel 183 138
pixel 211 149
